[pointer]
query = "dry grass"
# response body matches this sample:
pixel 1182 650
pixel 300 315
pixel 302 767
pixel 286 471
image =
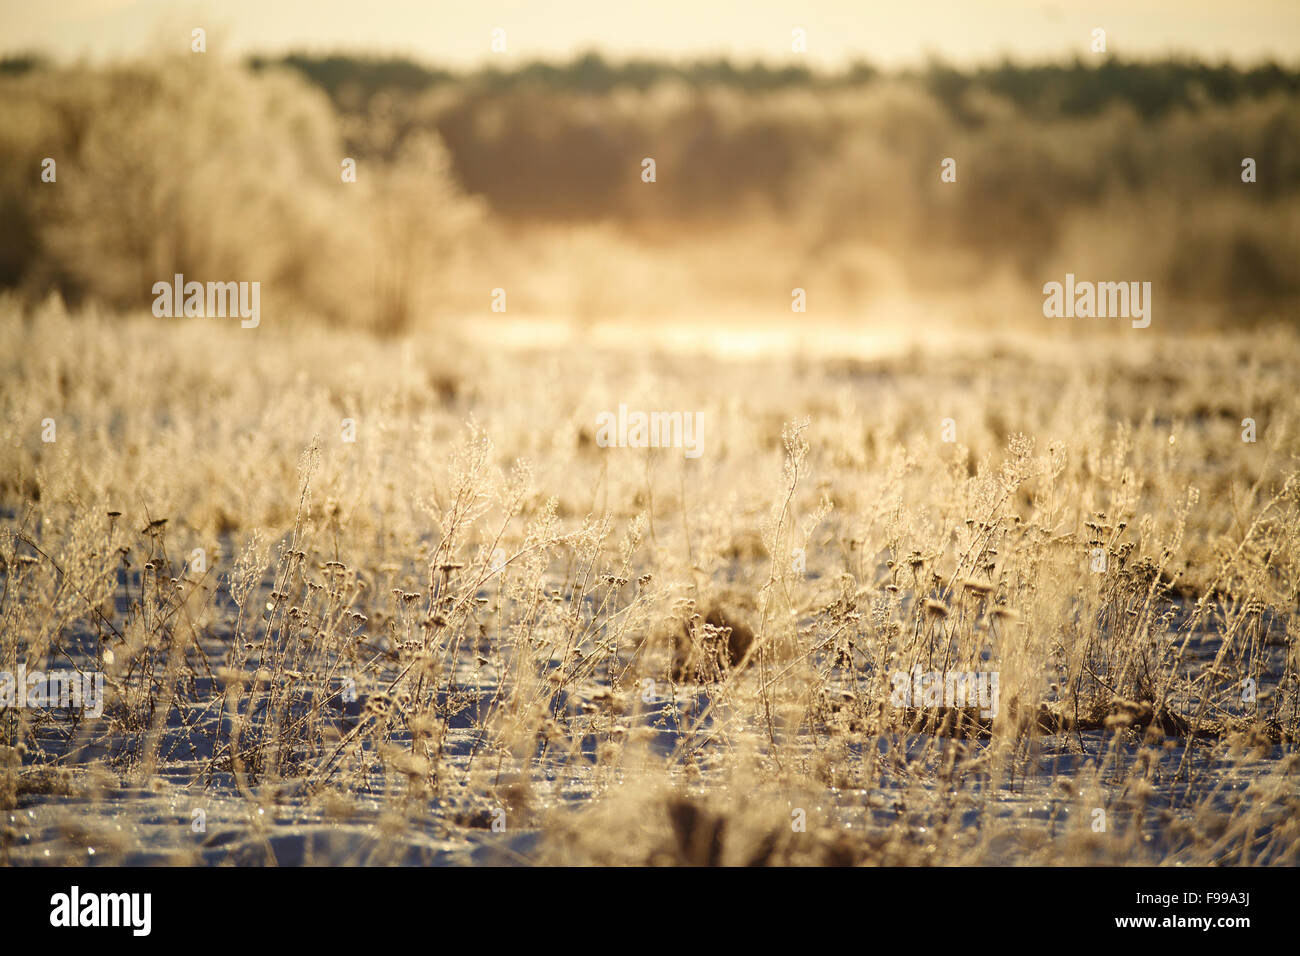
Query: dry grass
pixel 616 654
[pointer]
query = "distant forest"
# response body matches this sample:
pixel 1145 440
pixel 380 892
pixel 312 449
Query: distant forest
pixel 1180 173
pixel 1075 88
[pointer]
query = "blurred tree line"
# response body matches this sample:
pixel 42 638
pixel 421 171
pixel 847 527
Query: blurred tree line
pixel 1123 169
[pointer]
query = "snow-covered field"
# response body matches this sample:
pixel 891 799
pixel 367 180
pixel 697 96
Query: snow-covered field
pixel 361 601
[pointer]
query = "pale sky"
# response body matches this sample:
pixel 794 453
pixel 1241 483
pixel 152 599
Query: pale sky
pixel 884 32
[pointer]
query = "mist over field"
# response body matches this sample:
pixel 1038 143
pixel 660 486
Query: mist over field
pixel 635 459
pixel 765 179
